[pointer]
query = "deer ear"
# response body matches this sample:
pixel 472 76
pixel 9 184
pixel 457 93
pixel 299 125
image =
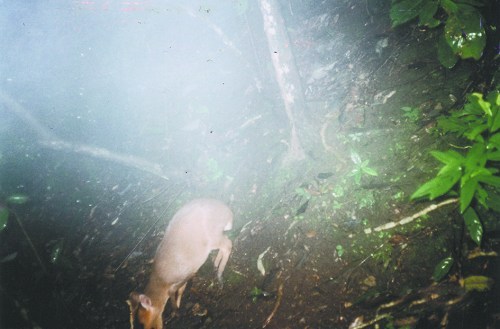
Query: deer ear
pixel 145 301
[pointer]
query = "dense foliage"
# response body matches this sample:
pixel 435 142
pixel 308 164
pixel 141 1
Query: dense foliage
pixel 473 171
pixel 464 34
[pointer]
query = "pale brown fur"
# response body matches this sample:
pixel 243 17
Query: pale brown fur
pixel 194 231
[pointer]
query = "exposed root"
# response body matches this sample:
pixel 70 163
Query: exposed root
pixel 276 305
pixel 48 140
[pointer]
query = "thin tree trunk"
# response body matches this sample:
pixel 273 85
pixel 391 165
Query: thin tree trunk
pixel 285 71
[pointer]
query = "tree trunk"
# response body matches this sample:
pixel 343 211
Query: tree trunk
pixel 285 72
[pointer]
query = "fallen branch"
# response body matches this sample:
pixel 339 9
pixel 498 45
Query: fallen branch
pixel 411 218
pixel 105 154
pixel 49 140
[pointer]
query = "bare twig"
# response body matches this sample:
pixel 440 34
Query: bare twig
pixel 411 218
pixel 369 323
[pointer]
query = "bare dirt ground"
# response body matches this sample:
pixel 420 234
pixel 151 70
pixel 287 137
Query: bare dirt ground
pixel 305 222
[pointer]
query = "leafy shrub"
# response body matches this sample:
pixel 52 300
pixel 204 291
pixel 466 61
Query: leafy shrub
pixel 473 174
pixel 464 35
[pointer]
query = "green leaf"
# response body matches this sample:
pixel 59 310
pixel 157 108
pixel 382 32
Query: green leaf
pixel 495 121
pixel 494 141
pixel 437 186
pixel 489 179
pixel 465 34
pixel 473 225
pixel 448 157
pixel 427 13
pixel 472 106
pixel 467 190
pixel 477 98
pixel 476 158
pixel 494 98
pixel 475 132
pixel 493 201
pixel 493 156
pixel 446 56
pixel 404 11
pixel 369 171
pixel 475 3
pixel 477 283
pixel 449 6
pixel 446 170
pixel 442 268
pixel 481 196
pixel 4 217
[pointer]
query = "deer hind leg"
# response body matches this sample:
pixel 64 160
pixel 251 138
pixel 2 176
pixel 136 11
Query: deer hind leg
pixel 222 257
pixel 175 295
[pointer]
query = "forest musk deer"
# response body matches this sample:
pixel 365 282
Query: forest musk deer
pixel 194 231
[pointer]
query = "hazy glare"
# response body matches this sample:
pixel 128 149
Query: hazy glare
pixel 149 78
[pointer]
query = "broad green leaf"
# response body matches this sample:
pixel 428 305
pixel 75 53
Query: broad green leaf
pixel 493 170
pixel 477 283
pixel 494 141
pixel 465 34
pixel 446 56
pixel 450 124
pixel 475 3
pixel 475 132
pixel 445 170
pixel 473 225
pixel 448 157
pixel 493 156
pixel 489 179
pixel 484 105
pixel 493 201
pixel 449 6
pixel 369 171
pixel 494 98
pixel 4 217
pixel 471 107
pixel 481 171
pixel 481 196
pixel 427 13
pixel 467 190
pixel 437 186
pixel 404 11
pixel 442 268
pixel 495 122
pixel 475 158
